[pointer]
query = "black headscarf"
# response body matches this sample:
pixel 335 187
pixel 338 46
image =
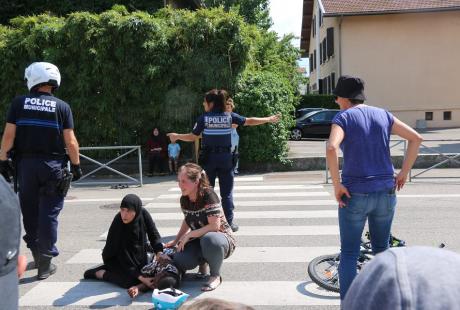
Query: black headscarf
pixel 127 242
pixel 156 138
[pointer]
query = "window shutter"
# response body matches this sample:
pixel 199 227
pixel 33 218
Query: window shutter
pixel 311 62
pixel 330 41
pixel 321 53
pixel 314 59
pixel 313 21
pixel 320 86
pixel 333 80
pixel 324 50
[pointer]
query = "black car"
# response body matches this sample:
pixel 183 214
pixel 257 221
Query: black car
pixel 301 112
pixel 315 124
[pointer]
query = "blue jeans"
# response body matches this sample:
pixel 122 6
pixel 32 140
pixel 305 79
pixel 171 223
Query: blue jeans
pixel 378 208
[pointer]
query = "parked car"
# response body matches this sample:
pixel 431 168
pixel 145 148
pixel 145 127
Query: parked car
pixel 301 112
pixel 316 124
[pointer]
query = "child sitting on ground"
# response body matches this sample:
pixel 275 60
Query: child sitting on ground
pixel 161 271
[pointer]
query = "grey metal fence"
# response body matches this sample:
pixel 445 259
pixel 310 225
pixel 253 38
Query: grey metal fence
pixel 128 150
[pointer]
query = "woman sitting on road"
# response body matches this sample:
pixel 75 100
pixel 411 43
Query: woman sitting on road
pixel 125 251
pixel 204 233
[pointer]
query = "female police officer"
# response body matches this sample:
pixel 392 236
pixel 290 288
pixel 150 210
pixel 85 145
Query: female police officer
pixel 40 126
pixel 216 126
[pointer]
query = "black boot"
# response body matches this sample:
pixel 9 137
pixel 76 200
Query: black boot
pixel 45 267
pixel 36 256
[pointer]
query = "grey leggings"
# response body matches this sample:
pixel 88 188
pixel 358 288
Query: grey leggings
pixel 212 247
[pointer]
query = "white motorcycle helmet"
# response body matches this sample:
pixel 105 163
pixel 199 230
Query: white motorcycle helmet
pixel 168 299
pixel 42 73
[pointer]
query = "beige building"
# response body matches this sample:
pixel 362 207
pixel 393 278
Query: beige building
pixel 407 51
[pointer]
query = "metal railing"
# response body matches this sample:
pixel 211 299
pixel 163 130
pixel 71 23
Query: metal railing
pixel 443 157
pixel 130 149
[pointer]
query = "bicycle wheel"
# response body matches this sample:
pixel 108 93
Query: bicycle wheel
pixel 324 271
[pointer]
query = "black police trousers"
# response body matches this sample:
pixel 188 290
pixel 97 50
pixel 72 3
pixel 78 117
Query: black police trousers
pixel 41 202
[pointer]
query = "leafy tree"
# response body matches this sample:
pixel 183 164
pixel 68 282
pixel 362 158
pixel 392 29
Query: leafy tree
pixel 10 9
pixel 254 12
pixel 125 72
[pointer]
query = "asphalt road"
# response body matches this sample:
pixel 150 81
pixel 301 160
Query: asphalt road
pixel 285 218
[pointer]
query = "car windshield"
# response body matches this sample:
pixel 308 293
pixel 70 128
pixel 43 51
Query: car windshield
pixel 307 115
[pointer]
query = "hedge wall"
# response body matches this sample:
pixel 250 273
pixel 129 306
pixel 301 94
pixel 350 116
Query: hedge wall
pixel 124 73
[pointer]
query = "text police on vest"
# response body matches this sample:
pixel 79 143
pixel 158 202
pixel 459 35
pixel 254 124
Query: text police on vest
pixel 38 104
pixel 218 121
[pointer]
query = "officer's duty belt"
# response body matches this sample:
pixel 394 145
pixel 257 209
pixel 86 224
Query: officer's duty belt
pixel 217 149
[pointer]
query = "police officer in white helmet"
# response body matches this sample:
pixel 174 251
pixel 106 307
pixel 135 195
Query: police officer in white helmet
pixel 39 127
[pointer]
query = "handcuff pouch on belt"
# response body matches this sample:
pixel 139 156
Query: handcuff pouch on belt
pixel 63 184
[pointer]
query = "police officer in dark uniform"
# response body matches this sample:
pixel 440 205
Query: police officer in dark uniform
pixel 39 126
pixel 215 125
pixel 10 237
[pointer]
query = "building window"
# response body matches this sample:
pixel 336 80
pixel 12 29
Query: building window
pixel 324 54
pixel 447 115
pixel 313 21
pixel 333 80
pixel 330 41
pixel 428 116
pixel 311 62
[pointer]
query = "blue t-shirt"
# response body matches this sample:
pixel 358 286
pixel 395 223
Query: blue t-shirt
pixel 367 165
pixel 40 120
pixel 173 150
pixel 217 128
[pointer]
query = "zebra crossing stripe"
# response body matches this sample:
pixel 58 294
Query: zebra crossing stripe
pixel 259 215
pixel 241 255
pixel 261 195
pixel 103 294
pixel 262 187
pixel 103 200
pixel 253 203
pixel 311 230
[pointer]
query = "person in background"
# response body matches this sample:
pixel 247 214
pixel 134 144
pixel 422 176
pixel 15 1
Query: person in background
pixel 229 107
pixel 156 147
pixel 173 154
pixel 367 188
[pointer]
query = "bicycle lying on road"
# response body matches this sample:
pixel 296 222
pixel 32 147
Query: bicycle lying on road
pixel 324 270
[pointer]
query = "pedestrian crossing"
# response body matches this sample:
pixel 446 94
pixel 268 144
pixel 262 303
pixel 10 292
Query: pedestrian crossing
pixel 261 271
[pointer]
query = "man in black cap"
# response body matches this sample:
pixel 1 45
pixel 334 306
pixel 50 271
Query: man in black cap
pixel 366 190
pixel 10 234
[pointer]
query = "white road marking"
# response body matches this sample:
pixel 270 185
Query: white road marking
pixel 241 255
pixel 253 203
pixel 101 294
pixel 258 215
pixel 103 200
pixel 261 195
pixel 262 187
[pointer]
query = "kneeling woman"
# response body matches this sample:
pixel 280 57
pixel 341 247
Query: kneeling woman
pixel 125 251
pixel 204 233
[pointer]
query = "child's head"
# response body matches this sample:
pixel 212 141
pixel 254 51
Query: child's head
pixel 167 282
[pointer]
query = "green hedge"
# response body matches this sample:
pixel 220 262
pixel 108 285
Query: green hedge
pixel 317 101
pixel 124 73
